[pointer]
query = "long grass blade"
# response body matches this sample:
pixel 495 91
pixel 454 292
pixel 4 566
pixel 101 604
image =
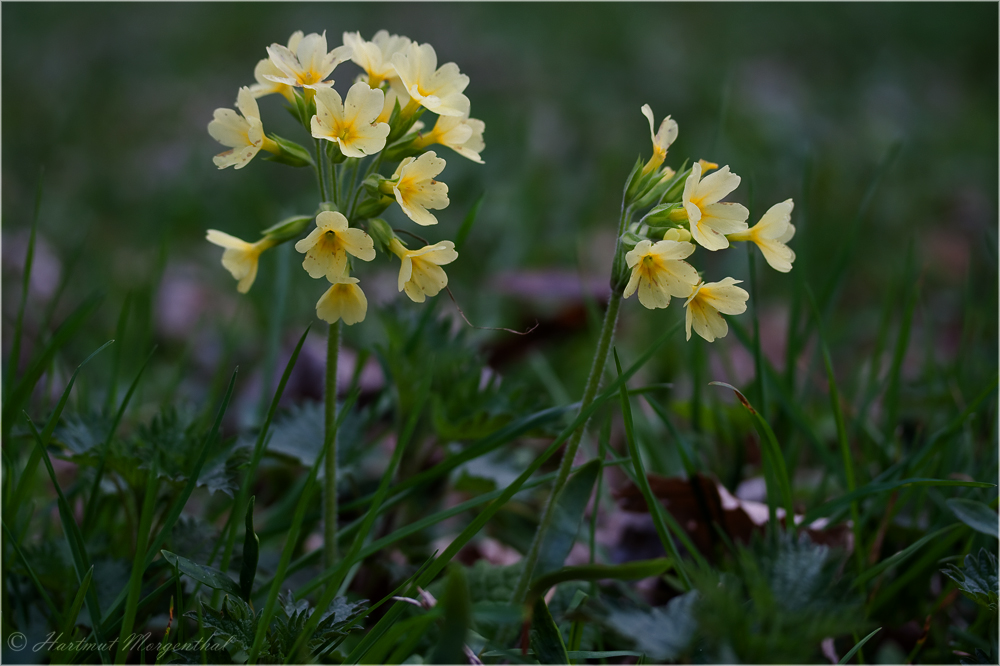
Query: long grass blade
pixel 874 488
pixel 847 657
pixel 902 555
pixel 135 578
pixel 14 360
pixel 53 611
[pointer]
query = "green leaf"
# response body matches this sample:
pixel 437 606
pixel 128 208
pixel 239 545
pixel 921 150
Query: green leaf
pixel 468 221
pixel 661 633
pixel 234 623
pixel 569 509
pixel 457 618
pixel 977 579
pixel 975 514
pixel 546 639
pixel 251 553
pixel 902 555
pixel 205 575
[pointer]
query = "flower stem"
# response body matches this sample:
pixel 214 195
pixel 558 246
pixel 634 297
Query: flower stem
pixel 330 445
pixel 593 381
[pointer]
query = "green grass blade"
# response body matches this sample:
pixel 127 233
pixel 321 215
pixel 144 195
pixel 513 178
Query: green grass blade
pixel 773 457
pixel 23 388
pixel 902 344
pixel 69 620
pixel 457 619
pixel 138 568
pixel 643 482
pixel 90 509
pixel 36 454
pixel 874 488
pixel 258 453
pixel 56 615
pixel 78 550
pixel 569 509
pixel 251 555
pixel 759 376
pixel 468 221
pixel 861 643
pixel 838 416
pixel 546 639
pixel 682 444
pixel 14 360
pixel 902 555
pixel 903 582
pixel 588 572
pixel 116 359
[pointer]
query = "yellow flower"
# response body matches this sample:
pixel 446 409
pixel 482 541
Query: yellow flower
pixel 240 257
pixel 416 190
pixel 707 301
pixel 420 272
pixel 682 235
pixel 462 134
pixel 327 246
pixel 771 233
pixel 351 123
pixel 265 68
pixel 343 300
pixel 375 57
pixel 243 134
pixel 659 273
pixel 662 138
pixel 437 89
pixel 308 65
pixel 710 221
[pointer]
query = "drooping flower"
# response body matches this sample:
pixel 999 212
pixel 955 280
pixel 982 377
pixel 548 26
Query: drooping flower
pixel 308 65
pixel 244 135
pixel 420 272
pixel 327 246
pixel 375 57
pixel 416 190
pixel 265 68
pixel 343 300
pixel 352 122
pixel 437 89
pixel 710 220
pixel 462 134
pixel 707 301
pixel 662 138
pixel 240 257
pixel 771 233
pixel 658 272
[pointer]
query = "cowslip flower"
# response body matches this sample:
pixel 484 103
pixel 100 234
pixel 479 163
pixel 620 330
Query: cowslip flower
pixel 705 304
pixel 327 246
pixel 343 300
pixel 462 134
pixel 244 135
pixel 416 190
pixel 770 234
pixel 436 89
pixel 375 57
pixel 420 272
pixel 710 220
pixel 658 272
pixel 265 68
pixel 351 122
pixel 240 257
pixel 308 65
pixel 662 138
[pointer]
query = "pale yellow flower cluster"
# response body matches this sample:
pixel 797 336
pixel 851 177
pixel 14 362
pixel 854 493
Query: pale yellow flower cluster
pixel 377 121
pixel 688 213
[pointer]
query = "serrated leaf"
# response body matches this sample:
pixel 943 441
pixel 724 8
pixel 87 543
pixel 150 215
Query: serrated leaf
pixel 213 578
pixel 976 515
pixel 235 623
pixel 662 633
pixel 977 578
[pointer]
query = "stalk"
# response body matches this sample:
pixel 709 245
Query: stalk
pixel 589 391
pixel 330 445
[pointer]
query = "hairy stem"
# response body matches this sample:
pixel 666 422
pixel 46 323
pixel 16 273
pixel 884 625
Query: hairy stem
pixel 330 444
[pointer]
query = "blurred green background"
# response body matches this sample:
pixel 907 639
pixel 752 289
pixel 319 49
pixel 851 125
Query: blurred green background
pixel 802 100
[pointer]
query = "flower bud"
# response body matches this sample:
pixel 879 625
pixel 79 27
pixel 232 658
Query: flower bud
pixel 288 228
pixel 657 189
pixel 373 206
pixel 290 153
pixel 381 233
pixel 664 215
pixel 629 240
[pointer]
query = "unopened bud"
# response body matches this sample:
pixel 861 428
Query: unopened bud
pixel 288 152
pixel 679 235
pixel 288 228
pixel 381 233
